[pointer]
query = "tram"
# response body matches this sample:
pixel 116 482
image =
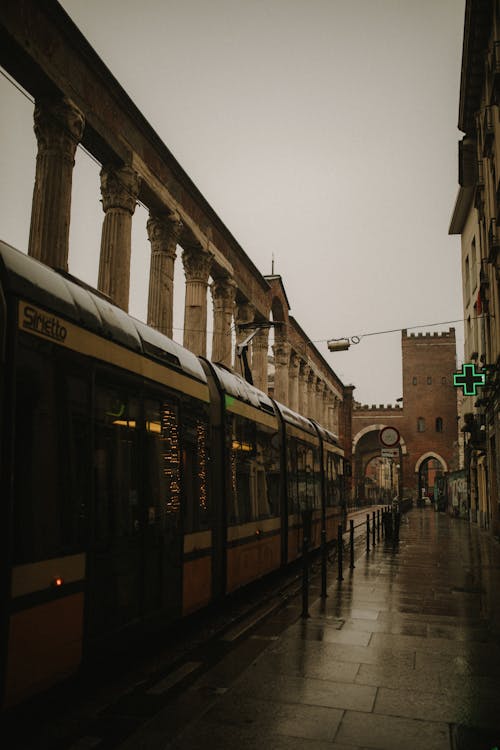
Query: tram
pixel 138 482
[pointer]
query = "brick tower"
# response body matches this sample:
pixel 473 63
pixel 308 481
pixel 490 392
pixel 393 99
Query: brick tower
pixel 427 421
pixel 429 399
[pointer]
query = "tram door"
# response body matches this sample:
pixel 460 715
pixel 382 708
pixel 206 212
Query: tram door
pixel 133 576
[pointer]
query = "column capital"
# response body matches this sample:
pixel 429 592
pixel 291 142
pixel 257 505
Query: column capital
pixel 244 312
pixel 197 263
pixel 223 290
pixel 164 230
pixel 119 188
pixel 281 352
pixel 305 370
pixel 261 339
pixel 295 362
pixel 58 126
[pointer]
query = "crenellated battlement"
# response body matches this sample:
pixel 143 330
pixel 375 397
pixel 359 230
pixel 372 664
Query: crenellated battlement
pixel 450 334
pixel 377 407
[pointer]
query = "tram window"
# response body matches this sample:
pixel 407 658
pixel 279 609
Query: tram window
pixel 161 481
pixel 292 471
pixel 117 512
pixel 255 467
pixel 332 481
pixel 194 462
pixel 317 478
pixel 304 479
pixel 51 455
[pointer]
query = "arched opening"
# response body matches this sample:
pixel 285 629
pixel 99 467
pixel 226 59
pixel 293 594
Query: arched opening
pixel 431 484
pixel 380 480
pixel 378 477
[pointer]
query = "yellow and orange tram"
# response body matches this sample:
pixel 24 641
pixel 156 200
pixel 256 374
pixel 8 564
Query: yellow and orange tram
pixel 138 483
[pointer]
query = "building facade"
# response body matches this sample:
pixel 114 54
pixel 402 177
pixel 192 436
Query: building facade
pixel 79 102
pixel 476 218
pixel 426 422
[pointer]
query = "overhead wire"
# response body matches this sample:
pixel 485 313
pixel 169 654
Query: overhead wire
pixel 355 339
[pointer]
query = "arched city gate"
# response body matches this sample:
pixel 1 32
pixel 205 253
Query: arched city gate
pixel 371 470
pixel 431 469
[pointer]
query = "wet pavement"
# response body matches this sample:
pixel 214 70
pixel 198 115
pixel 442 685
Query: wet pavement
pixel 404 654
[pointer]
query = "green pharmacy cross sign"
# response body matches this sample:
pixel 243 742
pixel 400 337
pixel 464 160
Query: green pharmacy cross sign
pixel 469 379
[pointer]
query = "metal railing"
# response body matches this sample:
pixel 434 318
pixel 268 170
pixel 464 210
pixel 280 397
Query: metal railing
pixel 382 525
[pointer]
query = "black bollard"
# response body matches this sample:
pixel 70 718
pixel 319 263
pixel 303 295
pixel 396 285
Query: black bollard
pixel 367 532
pixel 351 543
pixel 378 525
pixel 340 553
pixel 373 528
pixel 382 522
pixel 397 521
pixel 324 561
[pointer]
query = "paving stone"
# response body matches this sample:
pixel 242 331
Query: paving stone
pixel 308 665
pixel 287 689
pixel 392 733
pixel 386 676
pixel 309 722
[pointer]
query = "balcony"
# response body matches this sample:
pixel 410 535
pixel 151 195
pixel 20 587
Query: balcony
pixel 484 281
pixel 493 240
pixel 488 130
pixel 466 162
pixel 480 173
pixel 495 73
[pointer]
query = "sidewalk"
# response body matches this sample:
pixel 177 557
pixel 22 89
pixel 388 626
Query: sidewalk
pixel 404 654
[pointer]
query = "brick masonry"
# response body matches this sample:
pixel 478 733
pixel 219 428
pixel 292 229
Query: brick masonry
pixel 428 362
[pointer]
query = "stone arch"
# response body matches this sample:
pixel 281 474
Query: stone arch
pixel 430 454
pixel 377 427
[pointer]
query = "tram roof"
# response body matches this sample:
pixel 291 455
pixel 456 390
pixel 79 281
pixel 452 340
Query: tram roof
pixel 234 385
pixel 326 435
pixel 295 419
pixel 75 301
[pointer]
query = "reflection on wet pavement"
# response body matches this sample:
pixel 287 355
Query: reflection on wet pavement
pixel 403 654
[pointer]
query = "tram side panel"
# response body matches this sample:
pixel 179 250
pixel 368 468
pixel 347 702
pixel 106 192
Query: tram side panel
pixel 50 492
pixel 303 488
pixel 333 483
pixel 253 494
pixel 198 516
pixel 108 468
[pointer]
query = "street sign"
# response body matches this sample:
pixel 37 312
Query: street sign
pixel 389 437
pixel 469 379
pixel 390 453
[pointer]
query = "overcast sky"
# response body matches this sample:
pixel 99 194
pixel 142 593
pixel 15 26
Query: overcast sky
pixel 321 131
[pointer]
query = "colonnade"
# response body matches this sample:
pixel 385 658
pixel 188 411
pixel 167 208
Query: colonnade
pixel 59 126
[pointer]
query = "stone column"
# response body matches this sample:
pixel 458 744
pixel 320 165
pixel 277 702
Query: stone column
pixel 318 405
pixel 260 348
pixel 58 128
pixel 304 374
pixel 293 382
pixel 163 233
pixel 223 293
pixel 335 415
pixel 244 312
pixel 311 395
pixel 325 414
pixel 119 189
pixel 281 361
pixel 197 263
